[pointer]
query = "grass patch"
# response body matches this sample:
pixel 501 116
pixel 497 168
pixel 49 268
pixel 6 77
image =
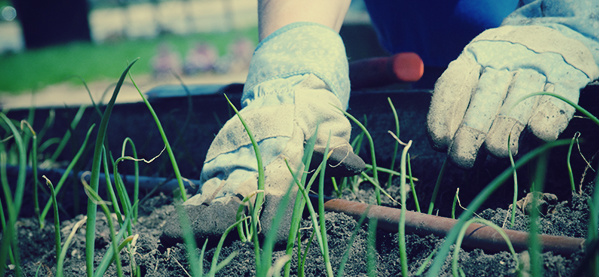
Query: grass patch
pixel 35 69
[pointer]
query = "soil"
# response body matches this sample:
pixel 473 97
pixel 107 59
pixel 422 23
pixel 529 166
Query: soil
pixel 156 257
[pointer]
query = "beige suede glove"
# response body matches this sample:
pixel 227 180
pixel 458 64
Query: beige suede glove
pixel 298 80
pixel 475 101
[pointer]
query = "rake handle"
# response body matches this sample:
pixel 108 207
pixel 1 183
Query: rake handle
pixel 375 72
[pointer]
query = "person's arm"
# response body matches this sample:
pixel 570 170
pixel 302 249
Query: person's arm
pixel 274 14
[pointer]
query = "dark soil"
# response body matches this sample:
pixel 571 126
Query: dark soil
pixel 155 258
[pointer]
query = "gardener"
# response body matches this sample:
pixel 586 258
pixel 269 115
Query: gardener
pixel 298 80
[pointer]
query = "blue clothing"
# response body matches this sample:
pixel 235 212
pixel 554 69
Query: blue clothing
pixel 438 30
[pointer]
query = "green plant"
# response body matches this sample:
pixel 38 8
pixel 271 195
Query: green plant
pixel 259 201
pixel 375 175
pixel 534 244
pixel 63 253
pixel 95 176
pixel 67 171
pixel 299 206
pixel 431 205
pixel 402 219
pixel 477 202
pixel 167 145
pixel 396 144
pixel 9 242
pixel 56 217
pixel 350 243
pixel 315 224
pixel 515 174
pixel 412 186
pixel 455 200
pixel 569 164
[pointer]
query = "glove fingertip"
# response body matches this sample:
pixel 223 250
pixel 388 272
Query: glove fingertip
pixel 465 146
pixel 548 122
pixel 341 162
pixel 497 138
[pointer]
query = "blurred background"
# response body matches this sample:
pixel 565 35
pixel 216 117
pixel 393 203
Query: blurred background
pixel 56 45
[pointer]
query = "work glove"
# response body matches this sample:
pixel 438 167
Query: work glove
pixel 476 100
pixel 298 80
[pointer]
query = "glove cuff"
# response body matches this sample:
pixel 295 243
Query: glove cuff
pixel 298 49
pixel 543 39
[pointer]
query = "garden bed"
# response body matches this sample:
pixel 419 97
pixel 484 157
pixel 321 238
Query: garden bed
pixel 371 252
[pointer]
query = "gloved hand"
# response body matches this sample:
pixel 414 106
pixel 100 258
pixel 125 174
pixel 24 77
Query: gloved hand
pixel 476 99
pixel 298 79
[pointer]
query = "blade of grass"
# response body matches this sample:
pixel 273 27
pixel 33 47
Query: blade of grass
pixel 111 253
pixel 125 201
pixel 246 231
pixel 169 150
pixel 47 125
pixel 402 218
pixel 33 159
pixel 376 185
pixel 576 106
pixel 388 171
pixel 350 242
pixel 9 236
pixel 67 171
pixel 5 186
pixel 67 136
pixel 478 201
pixel 455 201
pixel 356 143
pixel 431 205
pixel 302 260
pixel 375 174
pixel 269 242
pixel 56 217
pixel 425 263
pixel 299 205
pixel 90 233
pixel 569 165
pixel 113 237
pixel 396 146
pixel 63 253
pixel 136 173
pixel 215 266
pixel 515 174
pixel 321 215
pixel 412 186
pixel 313 216
pixel 109 189
pixel 47 143
pixel 534 242
pixel 189 240
pixel 260 196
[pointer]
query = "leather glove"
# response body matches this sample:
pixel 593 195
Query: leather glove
pixel 475 100
pixel 298 79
